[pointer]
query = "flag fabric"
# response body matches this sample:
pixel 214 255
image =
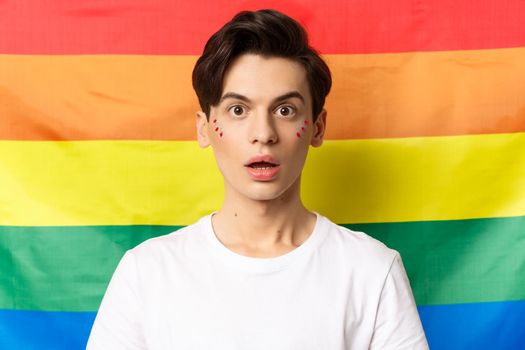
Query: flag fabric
pixel 425 151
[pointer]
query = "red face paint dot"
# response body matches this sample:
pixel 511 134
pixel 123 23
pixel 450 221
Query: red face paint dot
pixel 215 120
pixel 216 129
pixel 302 128
pixel 220 134
pixel 306 121
pixel 298 135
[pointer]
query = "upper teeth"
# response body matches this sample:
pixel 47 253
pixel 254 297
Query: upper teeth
pixel 263 165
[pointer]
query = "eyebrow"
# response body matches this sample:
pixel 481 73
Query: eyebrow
pixel 277 99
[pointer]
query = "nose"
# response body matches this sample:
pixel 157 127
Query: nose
pixel 262 129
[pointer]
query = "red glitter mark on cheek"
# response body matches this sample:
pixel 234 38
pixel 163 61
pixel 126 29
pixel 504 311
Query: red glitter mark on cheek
pixel 216 129
pixel 298 134
pixel 215 120
pixel 302 128
pixel 220 134
pixel 306 121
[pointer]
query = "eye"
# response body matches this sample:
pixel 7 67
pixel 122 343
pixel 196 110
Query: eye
pixel 237 110
pixel 286 111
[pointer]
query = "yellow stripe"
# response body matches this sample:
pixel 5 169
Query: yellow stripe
pixel 418 179
pixel 373 96
pixel 106 182
pixel 162 182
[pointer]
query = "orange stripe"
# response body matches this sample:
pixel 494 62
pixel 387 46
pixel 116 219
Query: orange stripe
pixel 373 96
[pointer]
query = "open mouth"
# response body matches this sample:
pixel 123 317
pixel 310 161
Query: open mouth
pixel 262 168
pixel 262 165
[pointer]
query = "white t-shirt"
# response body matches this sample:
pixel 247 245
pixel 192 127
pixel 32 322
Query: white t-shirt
pixel 340 289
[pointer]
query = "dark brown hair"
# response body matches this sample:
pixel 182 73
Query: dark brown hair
pixel 265 32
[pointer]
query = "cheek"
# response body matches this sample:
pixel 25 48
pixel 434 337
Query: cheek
pixel 216 127
pixel 301 128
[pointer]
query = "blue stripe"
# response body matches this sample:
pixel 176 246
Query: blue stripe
pixel 497 325
pixel 28 330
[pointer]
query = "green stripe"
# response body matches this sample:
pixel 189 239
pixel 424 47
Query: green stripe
pixel 64 268
pixel 448 262
pixel 463 261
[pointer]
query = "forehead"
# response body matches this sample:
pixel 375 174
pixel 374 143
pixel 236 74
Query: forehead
pixel 258 77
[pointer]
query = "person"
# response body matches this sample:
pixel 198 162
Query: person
pixel 263 271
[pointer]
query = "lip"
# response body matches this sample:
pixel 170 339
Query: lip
pixel 262 174
pixel 262 158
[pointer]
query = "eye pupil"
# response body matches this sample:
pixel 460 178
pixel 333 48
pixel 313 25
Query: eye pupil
pixel 285 111
pixel 237 110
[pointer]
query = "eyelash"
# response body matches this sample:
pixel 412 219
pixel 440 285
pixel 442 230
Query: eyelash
pixel 292 108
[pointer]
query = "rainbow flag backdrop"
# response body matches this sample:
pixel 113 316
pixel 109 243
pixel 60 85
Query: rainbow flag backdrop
pixel 425 151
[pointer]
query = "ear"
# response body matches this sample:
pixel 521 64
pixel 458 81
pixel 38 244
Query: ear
pixel 319 129
pixel 202 130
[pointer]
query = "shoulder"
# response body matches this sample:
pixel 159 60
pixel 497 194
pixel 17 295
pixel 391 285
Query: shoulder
pixel 174 245
pixel 358 245
pixel 357 248
pixel 361 264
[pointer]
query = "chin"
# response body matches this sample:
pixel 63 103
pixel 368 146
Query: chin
pixel 263 196
pixel 265 191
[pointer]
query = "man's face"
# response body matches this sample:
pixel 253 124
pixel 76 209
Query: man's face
pixel 262 127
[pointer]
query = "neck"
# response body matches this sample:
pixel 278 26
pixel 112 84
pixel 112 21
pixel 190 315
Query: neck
pixel 263 227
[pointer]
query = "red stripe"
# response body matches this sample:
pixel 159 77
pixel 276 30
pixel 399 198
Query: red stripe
pixel 173 27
